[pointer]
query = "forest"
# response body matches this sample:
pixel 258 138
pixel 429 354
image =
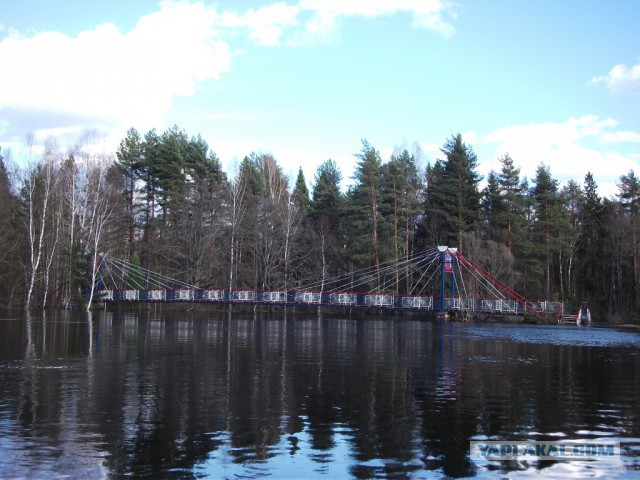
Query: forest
pixel 162 201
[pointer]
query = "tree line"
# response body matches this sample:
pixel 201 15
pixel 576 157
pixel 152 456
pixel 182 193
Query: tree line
pixel 163 202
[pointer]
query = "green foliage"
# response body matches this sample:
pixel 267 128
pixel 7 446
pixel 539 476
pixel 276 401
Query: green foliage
pixel 591 248
pixel 327 200
pixel 363 208
pixel 301 193
pixel 175 211
pixel 400 206
pixel 548 224
pixel 453 198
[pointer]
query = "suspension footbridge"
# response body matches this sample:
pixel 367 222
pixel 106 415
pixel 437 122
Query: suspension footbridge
pixel 440 280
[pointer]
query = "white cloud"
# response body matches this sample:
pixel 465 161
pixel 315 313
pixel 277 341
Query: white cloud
pixel 426 13
pixel 620 79
pixel 326 14
pixel 568 148
pixel 105 78
pixel 318 21
pixel 266 24
pixel 113 77
pixel 622 136
pixel 432 151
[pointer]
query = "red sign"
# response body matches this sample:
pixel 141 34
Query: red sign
pixel 448 262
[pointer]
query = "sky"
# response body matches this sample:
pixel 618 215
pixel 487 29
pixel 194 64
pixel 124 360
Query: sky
pixel 554 83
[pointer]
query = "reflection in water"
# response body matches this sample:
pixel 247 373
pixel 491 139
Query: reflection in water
pixel 290 396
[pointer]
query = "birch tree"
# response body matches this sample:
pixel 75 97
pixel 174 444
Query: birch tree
pixel 38 187
pixel 52 157
pixel 236 206
pixel 99 210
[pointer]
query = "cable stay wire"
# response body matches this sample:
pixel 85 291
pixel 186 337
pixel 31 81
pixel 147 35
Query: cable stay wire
pixel 483 282
pixel 367 276
pixel 433 260
pixel 394 275
pixel 149 277
pixel 122 276
pixel 134 277
pixel 362 276
pixel 498 285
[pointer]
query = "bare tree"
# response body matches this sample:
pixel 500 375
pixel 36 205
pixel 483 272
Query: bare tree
pixel 291 226
pixel 99 212
pixel 236 206
pixel 52 160
pixel 38 186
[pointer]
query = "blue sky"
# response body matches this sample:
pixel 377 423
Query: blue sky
pixel 548 82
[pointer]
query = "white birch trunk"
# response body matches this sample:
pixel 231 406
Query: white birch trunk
pixel 37 226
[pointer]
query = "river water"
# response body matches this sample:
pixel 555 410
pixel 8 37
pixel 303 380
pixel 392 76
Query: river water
pixel 285 395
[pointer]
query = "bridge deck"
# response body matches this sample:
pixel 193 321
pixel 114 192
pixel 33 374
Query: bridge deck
pixel 374 301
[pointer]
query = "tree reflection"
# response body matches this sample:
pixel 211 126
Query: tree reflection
pixel 160 394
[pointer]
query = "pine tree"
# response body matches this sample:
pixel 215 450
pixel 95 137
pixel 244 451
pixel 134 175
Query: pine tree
pixel 629 186
pixel 590 249
pixel 364 208
pixel 432 228
pixel 549 218
pixel 149 190
pixel 171 170
pixel 10 241
pixel 130 158
pixel 326 201
pixel 301 193
pixel 326 213
pixel 573 201
pixel 492 206
pixel 457 197
pixel 400 207
pixel 511 215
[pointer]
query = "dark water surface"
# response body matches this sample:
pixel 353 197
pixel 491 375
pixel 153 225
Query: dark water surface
pixel 183 395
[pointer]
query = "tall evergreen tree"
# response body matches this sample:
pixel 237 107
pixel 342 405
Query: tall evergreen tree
pixel 629 186
pixel 326 201
pixel 326 215
pixel 433 226
pixel 149 190
pixel 492 206
pixel 130 158
pixel 590 249
pixel 400 207
pixel 573 201
pixel 10 240
pixel 364 208
pixel 511 216
pixel 458 197
pixel 549 218
pixel 171 169
pixel 301 193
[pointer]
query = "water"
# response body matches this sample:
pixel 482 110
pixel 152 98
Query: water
pixel 184 395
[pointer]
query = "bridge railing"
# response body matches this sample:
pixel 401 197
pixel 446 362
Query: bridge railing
pixel 340 299
pixel 420 303
pixel 545 307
